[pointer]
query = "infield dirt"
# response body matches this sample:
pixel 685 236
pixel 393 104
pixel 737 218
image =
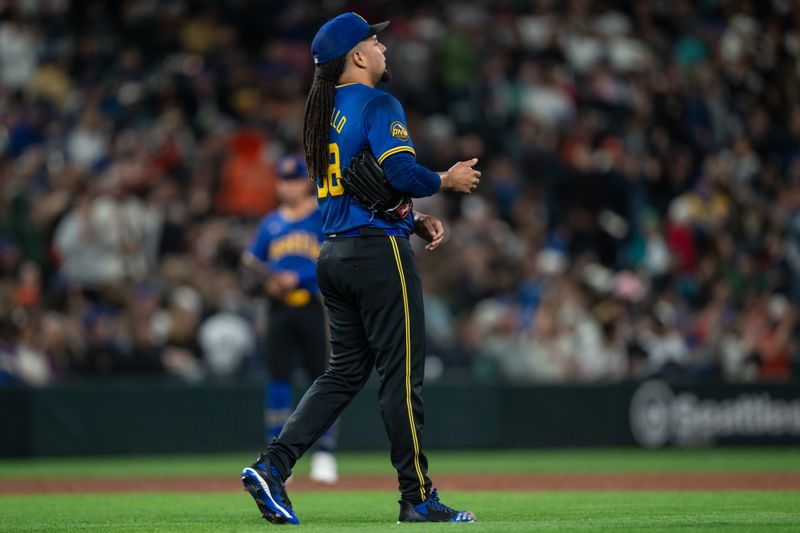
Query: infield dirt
pixel 449 482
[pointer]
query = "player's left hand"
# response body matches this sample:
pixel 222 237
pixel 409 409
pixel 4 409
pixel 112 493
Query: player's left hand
pixel 429 228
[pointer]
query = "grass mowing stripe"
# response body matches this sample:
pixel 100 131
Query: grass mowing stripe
pixel 520 461
pixel 371 511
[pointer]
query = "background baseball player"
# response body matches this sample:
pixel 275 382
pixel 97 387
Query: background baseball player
pixel 282 263
pixel 365 269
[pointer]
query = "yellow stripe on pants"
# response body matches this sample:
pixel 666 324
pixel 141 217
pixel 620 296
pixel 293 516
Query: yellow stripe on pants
pixel 408 366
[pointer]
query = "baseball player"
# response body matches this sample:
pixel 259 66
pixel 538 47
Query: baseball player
pixel 281 261
pixel 366 269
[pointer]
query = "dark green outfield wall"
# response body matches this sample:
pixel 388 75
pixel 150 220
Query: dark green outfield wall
pixel 158 417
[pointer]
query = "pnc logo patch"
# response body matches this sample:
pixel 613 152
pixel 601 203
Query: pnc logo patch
pixel 399 131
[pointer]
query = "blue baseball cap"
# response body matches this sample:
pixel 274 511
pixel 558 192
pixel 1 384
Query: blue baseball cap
pixel 292 167
pixel 339 35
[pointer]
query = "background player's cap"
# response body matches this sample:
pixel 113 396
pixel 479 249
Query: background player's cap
pixel 292 167
pixel 337 36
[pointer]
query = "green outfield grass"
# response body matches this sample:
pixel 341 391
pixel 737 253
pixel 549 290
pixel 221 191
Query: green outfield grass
pixel 340 512
pixel 551 461
pixel 377 511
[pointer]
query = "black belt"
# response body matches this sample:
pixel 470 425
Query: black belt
pixel 369 232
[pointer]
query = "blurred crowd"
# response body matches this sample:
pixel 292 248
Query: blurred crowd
pixel 639 212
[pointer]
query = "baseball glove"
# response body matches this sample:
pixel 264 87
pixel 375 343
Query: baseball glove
pixel 365 181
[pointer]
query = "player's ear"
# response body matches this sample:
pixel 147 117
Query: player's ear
pixel 358 57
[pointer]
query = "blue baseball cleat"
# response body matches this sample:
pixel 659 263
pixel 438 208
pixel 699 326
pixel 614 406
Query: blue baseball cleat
pixel 432 510
pixel 264 484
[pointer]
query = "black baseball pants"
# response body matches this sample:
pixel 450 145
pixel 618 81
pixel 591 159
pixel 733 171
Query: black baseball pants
pixel 296 331
pixel 374 299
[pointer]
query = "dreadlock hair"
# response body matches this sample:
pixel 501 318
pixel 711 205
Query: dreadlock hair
pixel 319 107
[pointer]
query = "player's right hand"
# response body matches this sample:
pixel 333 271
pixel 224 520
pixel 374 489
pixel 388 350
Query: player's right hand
pixel 462 177
pixel 281 282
